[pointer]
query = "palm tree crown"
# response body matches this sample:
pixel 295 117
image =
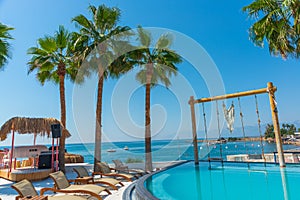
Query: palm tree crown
pixel 4 45
pixel 278 22
pixel 53 53
pixel 98 32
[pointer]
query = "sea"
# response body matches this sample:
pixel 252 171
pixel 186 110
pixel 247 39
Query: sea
pixel 170 150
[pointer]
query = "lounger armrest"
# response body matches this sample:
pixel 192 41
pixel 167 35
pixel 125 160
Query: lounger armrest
pixel 97 173
pixel 43 190
pixel 18 197
pixel 119 175
pixel 138 171
pixel 122 168
pixel 113 169
pixel 113 175
pixel 132 170
pixel 71 180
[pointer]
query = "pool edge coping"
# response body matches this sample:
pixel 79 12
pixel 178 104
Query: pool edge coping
pixel 141 192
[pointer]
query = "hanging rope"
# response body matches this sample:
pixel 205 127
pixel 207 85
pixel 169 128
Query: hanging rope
pixel 243 128
pixel 259 130
pixel 206 137
pixel 219 131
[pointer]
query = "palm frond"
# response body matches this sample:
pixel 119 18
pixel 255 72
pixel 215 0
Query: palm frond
pixel 48 44
pixel 141 76
pixel 164 41
pixel 4 44
pixel 82 22
pixel 37 51
pixel 62 37
pixel 144 37
pixel 106 18
pixel 92 9
pixel 4 52
pixel 4 32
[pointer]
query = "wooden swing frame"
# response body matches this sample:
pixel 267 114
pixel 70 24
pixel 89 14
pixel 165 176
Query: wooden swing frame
pixel 270 90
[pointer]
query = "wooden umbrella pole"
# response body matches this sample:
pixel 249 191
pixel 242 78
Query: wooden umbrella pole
pixel 52 155
pixel 271 90
pixel 12 147
pixel 195 143
pixel 56 154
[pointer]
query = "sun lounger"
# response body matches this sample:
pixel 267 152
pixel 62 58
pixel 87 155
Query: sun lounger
pixel 26 189
pixel 105 170
pixel 62 184
pixel 120 167
pixel 83 174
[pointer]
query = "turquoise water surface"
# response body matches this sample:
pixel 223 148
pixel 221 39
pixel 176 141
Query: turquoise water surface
pixel 234 181
pixel 169 150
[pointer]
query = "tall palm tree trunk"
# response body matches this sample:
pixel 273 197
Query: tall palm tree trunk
pixel 98 134
pixel 148 164
pixel 62 141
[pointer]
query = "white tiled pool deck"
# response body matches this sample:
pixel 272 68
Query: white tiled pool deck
pixel 7 193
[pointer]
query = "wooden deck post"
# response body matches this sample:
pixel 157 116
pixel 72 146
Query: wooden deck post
pixel 195 143
pixel 274 111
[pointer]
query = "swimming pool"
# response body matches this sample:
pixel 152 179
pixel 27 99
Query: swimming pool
pixel 234 181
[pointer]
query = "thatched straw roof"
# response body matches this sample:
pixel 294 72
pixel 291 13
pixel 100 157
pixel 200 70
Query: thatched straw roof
pixel 25 125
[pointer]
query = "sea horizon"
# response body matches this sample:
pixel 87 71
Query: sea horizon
pixel 167 150
pixel 170 150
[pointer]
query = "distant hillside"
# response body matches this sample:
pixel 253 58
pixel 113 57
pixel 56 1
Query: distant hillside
pixel 250 131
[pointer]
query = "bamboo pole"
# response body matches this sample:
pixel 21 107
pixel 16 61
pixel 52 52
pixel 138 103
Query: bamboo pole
pixel 195 143
pixel 274 111
pixel 234 95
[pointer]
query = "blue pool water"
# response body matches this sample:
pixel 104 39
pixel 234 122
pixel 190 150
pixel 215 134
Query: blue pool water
pixel 234 181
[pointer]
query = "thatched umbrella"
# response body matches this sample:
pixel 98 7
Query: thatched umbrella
pixel 25 125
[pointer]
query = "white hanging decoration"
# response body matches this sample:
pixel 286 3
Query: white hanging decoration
pixel 229 116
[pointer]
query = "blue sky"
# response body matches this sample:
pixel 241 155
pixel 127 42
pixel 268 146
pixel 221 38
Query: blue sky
pixel 219 27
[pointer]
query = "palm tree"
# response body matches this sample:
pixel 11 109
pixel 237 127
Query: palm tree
pixel 278 22
pixel 54 60
pixel 97 34
pixel 269 131
pixel 156 65
pixel 4 45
